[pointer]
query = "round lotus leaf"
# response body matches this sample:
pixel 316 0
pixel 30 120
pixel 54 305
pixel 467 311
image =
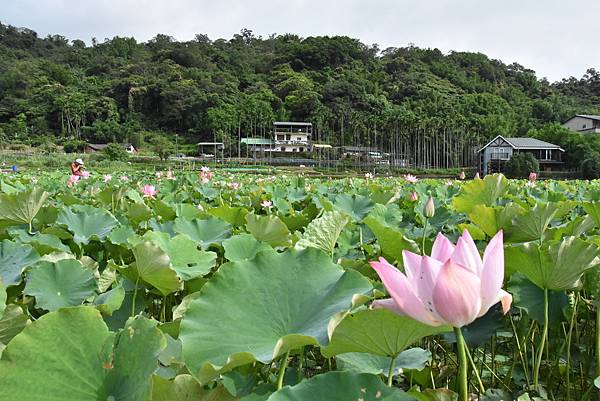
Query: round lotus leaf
pixel 87 223
pixel 258 309
pixel 341 386
pixel 70 355
pixel 60 284
pixel 14 258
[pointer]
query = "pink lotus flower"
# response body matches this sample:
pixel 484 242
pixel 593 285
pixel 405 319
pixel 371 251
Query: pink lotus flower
pixel 532 176
pixel 453 286
pixel 205 175
pixel 170 175
pixel 158 175
pixel 200 207
pixel 411 178
pixel 234 185
pixel 149 191
pixel 462 175
pixel 267 204
pixel 124 178
pixel 477 176
pixel 85 175
pixel 107 177
pixel 414 196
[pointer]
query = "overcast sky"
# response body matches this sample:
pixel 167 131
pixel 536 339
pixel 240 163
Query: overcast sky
pixel 556 38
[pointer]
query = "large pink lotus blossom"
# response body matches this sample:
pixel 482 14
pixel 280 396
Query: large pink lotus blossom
pixel 72 180
pixel 532 176
pixel 411 178
pixel 107 177
pixel 124 178
pixel 85 175
pixel 477 177
pixel 453 286
pixel 267 204
pixel 149 191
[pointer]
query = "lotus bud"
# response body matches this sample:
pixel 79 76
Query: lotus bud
pixel 429 209
pixel 462 175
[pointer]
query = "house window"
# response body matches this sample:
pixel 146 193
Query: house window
pixel 499 154
pixel 298 138
pixel 288 137
pixel 584 125
pixel 283 148
pixel 547 154
pixel 280 137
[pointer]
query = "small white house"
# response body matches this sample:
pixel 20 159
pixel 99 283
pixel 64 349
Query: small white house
pixel 583 123
pixel 290 137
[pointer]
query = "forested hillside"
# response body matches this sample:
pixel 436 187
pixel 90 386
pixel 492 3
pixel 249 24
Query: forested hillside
pixel 119 89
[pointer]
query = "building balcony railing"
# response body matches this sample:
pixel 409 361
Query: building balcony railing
pixel 291 142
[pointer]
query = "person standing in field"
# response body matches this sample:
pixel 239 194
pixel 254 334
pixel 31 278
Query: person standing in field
pixel 77 167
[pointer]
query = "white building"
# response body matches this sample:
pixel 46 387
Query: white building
pixel 584 124
pixel 289 137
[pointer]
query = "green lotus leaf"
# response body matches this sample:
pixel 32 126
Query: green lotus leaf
pixel 359 362
pixel 260 309
pixel 391 240
pixel 87 223
pixel 153 266
pixel 242 247
pixel 480 192
pixel 593 210
pixel 557 265
pixel 533 224
pixel 14 258
pixel 12 322
pixel 205 232
pixel 70 355
pixel 186 259
pixel 110 301
pixel 269 229
pixel 234 215
pixel 42 243
pixel 60 284
pixel 355 206
pixel 3 297
pixel 378 332
pixel 323 232
pixel 138 212
pixel 530 298
pixel 341 386
pixel 186 388
pixel 22 207
pixel 119 235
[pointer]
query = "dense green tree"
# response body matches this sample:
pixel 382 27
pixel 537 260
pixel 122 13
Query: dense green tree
pixel 408 99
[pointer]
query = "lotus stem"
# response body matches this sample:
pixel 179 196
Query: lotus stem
pixel 463 386
pixel 538 361
pixel 424 236
pixel 282 367
pixel 475 370
pixel 137 281
pixel 391 371
pixel 569 337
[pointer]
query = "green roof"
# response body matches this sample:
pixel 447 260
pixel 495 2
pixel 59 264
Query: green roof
pixel 257 141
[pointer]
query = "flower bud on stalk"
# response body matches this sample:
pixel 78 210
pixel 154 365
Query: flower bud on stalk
pixel 429 208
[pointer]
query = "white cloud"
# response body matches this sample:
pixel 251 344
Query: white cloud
pixel 553 37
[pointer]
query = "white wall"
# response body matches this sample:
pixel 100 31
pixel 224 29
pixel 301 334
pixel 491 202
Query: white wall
pixel 579 124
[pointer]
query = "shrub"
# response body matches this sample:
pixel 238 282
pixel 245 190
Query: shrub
pixel 590 166
pixel 74 146
pixel 521 164
pixel 163 147
pixel 115 152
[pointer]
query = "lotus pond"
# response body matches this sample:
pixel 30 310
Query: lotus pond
pixel 215 286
